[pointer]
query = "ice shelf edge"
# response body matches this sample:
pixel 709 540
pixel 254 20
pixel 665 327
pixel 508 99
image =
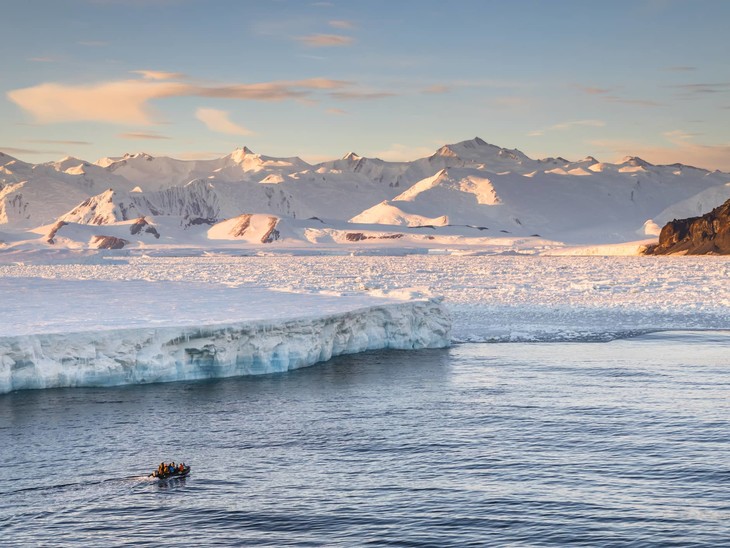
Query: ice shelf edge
pixel 148 355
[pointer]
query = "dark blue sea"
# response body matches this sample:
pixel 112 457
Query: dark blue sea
pixel 622 443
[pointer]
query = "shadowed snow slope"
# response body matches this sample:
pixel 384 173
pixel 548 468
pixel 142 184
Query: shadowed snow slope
pixel 149 332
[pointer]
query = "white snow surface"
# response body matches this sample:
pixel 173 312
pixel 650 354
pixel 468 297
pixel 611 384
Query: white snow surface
pixel 66 332
pixel 461 188
pixel 490 297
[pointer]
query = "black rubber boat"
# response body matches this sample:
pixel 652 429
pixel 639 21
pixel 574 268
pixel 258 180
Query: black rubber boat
pixel 175 475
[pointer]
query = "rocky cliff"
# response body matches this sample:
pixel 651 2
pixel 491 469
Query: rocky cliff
pixel 708 234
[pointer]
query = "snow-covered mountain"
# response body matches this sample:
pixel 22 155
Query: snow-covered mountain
pixel 461 188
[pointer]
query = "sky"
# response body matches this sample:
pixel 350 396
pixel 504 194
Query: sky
pixel 394 79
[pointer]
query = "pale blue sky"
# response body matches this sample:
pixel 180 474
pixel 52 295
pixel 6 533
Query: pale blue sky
pixel 394 79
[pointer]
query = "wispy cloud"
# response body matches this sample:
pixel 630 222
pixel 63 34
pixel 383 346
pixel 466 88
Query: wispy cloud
pixel 361 95
pixel 455 85
pixel 436 89
pixel 341 24
pixel 575 123
pixel 220 122
pixel 592 90
pixel 336 111
pixel 325 40
pixel 682 68
pixel 29 151
pixel 126 102
pixel 142 135
pixel 42 59
pixel 159 75
pixel 636 102
pixel 717 87
pixel 679 136
pixel 564 126
pixel 612 96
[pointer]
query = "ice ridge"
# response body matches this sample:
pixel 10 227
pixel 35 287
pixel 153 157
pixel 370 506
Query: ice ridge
pixel 148 355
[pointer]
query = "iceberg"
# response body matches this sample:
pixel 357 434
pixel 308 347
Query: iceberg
pixel 120 352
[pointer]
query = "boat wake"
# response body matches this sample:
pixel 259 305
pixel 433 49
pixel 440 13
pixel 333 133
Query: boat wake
pixel 133 481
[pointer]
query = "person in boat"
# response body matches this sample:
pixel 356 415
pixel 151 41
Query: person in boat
pixel 165 470
pixel 162 470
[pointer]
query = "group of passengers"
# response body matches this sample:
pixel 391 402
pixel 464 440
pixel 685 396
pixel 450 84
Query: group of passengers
pixel 169 469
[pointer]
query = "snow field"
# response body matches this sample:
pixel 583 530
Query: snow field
pixel 490 299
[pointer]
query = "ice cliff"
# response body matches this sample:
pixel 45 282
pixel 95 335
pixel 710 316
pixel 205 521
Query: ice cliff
pixel 116 356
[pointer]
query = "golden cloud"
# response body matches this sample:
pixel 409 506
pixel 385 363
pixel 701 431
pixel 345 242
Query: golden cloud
pixel 219 122
pixel 122 102
pixel 126 101
pixel 325 40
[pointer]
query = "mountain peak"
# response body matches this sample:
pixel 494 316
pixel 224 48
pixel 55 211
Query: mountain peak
pixel 239 154
pixel 475 142
pixel 6 158
pixel 635 161
pixel 351 156
pixel 142 155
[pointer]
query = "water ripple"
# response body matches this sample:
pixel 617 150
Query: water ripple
pixel 542 444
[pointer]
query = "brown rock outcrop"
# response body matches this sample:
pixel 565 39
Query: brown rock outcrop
pixel 708 234
pixel 108 242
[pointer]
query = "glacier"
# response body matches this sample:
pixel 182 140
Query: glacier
pixel 32 357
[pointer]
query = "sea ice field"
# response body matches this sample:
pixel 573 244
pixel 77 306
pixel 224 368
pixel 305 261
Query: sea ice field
pixel 490 298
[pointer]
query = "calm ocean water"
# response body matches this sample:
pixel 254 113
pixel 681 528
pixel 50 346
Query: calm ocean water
pixel 625 443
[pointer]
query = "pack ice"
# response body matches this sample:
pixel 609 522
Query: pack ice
pixel 62 333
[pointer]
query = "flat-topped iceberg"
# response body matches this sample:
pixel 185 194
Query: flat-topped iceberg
pixel 88 336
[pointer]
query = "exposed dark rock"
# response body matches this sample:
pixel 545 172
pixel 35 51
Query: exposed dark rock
pixel 142 224
pixel 108 242
pixel 359 236
pixel 708 234
pixel 244 223
pixel 54 229
pixel 271 234
pixel 200 221
pixel 240 228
